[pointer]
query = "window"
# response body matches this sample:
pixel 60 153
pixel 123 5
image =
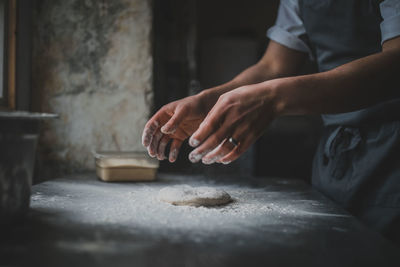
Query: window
pixel 2 29
pixel 8 23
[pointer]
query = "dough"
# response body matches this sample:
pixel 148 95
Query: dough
pixel 194 196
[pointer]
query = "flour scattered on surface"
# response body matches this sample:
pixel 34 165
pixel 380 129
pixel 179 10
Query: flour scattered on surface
pixel 136 208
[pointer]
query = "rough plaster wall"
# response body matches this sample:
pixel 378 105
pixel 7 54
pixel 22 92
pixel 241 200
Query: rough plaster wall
pixel 92 65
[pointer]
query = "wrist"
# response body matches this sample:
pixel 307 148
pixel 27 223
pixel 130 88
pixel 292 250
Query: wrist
pixel 209 97
pixel 276 97
pixel 286 97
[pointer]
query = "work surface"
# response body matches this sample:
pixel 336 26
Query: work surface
pixel 80 221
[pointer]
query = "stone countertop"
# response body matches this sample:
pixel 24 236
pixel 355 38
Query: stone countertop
pixel 80 221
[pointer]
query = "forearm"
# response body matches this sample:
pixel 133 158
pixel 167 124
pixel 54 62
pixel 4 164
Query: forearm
pixel 352 86
pixel 255 74
pixel 278 61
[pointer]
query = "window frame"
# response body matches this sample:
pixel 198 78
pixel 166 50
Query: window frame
pixel 7 101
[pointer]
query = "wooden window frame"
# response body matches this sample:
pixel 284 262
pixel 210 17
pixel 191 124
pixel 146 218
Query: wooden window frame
pixel 17 55
pixel 8 101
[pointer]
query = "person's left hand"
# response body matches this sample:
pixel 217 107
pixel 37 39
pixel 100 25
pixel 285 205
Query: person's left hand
pixel 241 114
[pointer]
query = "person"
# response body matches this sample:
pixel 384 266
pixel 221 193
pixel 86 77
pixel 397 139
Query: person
pixel 356 45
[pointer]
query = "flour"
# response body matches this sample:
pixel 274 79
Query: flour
pixel 135 209
pixel 194 196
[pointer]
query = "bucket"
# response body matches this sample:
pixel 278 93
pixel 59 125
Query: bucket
pixel 19 133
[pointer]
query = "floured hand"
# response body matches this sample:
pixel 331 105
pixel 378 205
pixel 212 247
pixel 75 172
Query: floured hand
pixel 173 123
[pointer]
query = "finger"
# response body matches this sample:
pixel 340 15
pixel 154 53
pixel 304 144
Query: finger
pixel 210 144
pixel 209 125
pixel 161 147
pixel 243 145
pixel 173 123
pixel 156 121
pixel 152 148
pixel 219 152
pixel 174 150
pixel 148 132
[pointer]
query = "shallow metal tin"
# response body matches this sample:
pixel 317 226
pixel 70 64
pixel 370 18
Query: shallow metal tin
pixel 116 166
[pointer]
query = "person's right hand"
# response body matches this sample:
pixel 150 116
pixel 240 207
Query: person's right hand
pixel 174 122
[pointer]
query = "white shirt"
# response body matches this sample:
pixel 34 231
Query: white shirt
pixel 289 29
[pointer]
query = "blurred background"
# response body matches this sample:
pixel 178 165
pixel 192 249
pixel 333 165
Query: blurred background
pixel 106 66
pixel 200 44
pixel 100 69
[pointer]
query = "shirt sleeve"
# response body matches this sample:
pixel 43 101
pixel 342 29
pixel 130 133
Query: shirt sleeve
pixel 289 29
pixel 390 26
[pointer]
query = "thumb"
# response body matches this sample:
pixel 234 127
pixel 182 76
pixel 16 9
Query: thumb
pixel 173 123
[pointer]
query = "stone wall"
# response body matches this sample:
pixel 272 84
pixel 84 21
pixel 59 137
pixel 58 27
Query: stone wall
pixel 92 65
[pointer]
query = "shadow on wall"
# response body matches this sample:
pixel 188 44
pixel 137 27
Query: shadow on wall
pixel 92 65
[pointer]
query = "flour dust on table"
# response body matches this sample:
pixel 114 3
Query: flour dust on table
pixel 194 196
pixel 262 207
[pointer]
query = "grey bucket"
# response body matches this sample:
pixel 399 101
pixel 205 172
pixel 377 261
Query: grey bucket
pixel 19 133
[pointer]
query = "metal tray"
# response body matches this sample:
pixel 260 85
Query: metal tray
pixel 117 166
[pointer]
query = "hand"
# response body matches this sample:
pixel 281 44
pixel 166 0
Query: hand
pixel 242 114
pixel 175 121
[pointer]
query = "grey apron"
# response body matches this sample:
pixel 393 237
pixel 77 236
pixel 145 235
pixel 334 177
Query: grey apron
pixel 357 163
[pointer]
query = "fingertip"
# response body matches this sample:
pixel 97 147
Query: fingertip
pixel 173 155
pixel 164 130
pixel 195 157
pixel 226 159
pixel 153 146
pixel 199 135
pixel 152 125
pixel 174 150
pixel 193 142
pixel 150 153
pixel 207 161
pixel 232 156
pixel 148 132
pixel 168 129
pixel 145 140
pixel 161 147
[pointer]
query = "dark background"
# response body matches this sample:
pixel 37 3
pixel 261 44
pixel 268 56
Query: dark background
pixel 200 44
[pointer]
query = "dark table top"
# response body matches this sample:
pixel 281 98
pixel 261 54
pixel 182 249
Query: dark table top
pixel 80 221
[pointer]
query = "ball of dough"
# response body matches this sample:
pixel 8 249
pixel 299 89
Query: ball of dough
pixel 194 196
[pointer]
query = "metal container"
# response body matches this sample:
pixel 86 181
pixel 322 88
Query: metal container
pixel 125 166
pixel 19 132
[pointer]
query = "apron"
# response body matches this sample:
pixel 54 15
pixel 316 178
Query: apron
pixel 357 163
